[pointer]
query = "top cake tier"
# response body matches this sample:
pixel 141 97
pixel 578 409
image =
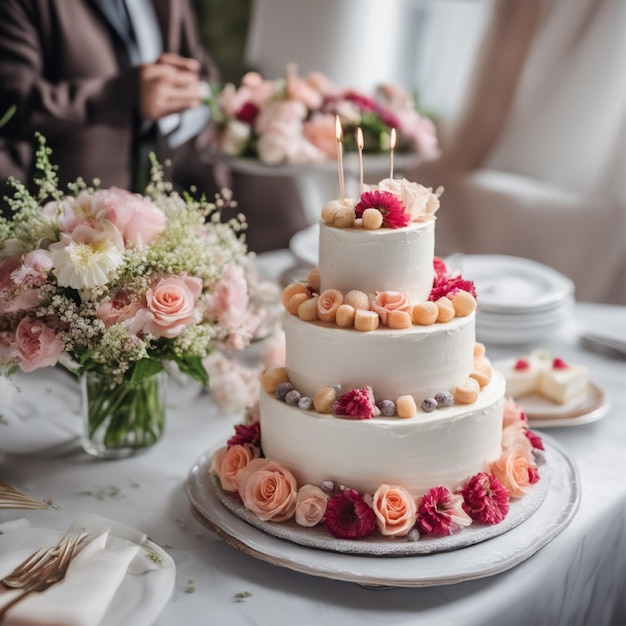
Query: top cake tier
pixel 378 260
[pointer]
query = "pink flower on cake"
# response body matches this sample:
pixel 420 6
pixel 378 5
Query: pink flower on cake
pixel 485 499
pixel 441 513
pixel 449 286
pixel 246 433
pixel 395 510
pixel 348 516
pixel 419 202
pixel 387 301
pixel 514 438
pixel 36 344
pixel 512 470
pixel 235 460
pixel 356 404
pixel 441 270
pixel 268 490
pixel 513 413
pixel 393 211
pixel 535 440
pixel 173 304
pixel 310 505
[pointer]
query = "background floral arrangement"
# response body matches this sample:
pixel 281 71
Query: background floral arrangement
pixel 293 119
pixel 119 283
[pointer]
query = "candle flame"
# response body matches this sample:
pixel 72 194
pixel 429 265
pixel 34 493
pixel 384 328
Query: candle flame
pixel 359 138
pixel 338 129
pixel 392 139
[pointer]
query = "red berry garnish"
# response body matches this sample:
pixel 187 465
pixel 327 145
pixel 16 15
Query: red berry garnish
pixel 559 364
pixel 521 364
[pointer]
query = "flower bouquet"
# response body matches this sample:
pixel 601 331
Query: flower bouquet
pixel 293 119
pixel 114 286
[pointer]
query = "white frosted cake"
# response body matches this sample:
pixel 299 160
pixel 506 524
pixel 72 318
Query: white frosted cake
pixel 385 398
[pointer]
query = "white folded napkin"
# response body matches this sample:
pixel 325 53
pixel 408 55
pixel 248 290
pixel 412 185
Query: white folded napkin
pixel 93 578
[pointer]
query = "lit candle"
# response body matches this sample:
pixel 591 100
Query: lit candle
pixel 339 133
pixel 359 143
pixel 392 145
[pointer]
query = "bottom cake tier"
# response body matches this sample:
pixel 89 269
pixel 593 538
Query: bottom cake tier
pixel 441 448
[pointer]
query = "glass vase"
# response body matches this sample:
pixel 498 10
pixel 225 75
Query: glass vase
pixel 122 419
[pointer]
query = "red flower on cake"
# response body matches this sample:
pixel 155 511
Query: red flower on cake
pixel 533 475
pixel 441 513
pixel 535 440
pixel 393 211
pixel 441 270
pixel 451 285
pixel 250 433
pixel 485 499
pixel 348 516
pixel 358 404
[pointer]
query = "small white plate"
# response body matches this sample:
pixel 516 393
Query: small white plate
pixel 139 599
pixel 543 413
pixel 508 284
pixel 304 245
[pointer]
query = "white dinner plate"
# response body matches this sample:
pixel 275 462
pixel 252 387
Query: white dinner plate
pixel 543 413
pixel 304 245
pixel 508 284
pixel 139 599
pixel 487 558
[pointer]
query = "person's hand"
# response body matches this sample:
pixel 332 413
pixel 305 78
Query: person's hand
pixel 169 85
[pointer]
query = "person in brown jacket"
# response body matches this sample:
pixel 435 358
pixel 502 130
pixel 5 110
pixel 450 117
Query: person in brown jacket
pixel 106 82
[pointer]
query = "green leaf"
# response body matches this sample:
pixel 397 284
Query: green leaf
pixel 192 366
pixel 145 368
pixel 8 114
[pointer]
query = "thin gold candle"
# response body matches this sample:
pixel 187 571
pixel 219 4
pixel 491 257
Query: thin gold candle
pixel 359 143
pixel 392 146
pixel 339 133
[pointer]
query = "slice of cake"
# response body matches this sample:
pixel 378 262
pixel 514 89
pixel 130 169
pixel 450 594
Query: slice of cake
pixel 541 373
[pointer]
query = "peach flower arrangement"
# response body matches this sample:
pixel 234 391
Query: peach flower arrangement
pixel 292 119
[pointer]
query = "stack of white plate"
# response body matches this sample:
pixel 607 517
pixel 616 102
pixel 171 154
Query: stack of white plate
pixel 519 300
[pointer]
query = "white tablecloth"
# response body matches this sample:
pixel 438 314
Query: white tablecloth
pixel 578 578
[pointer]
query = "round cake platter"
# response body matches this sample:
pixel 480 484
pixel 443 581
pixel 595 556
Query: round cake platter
pixel 476 552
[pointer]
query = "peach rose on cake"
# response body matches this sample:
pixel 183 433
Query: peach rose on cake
pixel 513 413
pixel 172 302
pixel 310 505
pixel 395 509
pixel 268 490
pixel 387 301
pixel 234 461
pixel 512 470
pixel 420 202
pixel 514 438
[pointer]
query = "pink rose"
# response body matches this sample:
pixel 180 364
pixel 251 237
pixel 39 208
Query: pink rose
pixel 512 470
pixel 310 505
pixel 297 88
pixel 229 300
pixel 387 301
pixel 514 438
pixel 173 304
pixel 37 344
pixel 235 460
pixel 395 509
pixel 268 490
pixel 321 132
pixel 135 216
pixel 513 413
pixel 122 309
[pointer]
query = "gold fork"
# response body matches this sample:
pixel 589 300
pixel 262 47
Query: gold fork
pixel 46 567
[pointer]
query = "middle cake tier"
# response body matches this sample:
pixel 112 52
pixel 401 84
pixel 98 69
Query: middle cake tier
pixel 418 361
